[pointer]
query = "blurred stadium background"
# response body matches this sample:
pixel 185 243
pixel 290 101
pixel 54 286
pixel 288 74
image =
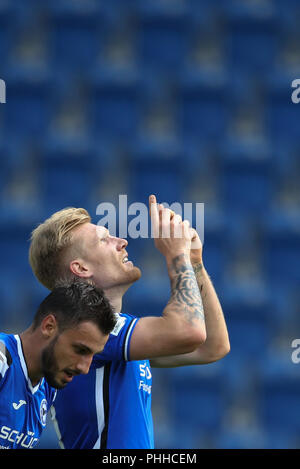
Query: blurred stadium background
pixel 190 100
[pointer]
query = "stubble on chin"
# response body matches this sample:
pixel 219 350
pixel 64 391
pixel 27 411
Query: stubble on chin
pixel 49 365
pixel 133 276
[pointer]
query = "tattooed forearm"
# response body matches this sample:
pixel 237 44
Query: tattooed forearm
pixel 198 269
pixel 185 292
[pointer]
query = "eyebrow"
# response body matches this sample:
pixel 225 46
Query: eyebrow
pixel 86 348
pixel 83 347
pixel 102 235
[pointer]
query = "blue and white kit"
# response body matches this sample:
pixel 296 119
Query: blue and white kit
pixel 110 407
pixel 23 408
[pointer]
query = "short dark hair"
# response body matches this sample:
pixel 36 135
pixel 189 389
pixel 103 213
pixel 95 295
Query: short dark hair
pixel 74 302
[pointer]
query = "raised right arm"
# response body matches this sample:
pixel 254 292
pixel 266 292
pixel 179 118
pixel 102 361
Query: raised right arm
pixel 181 328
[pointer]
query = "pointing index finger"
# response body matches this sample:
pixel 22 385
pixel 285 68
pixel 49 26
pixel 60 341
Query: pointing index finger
pixel 154 216
pixel 152 200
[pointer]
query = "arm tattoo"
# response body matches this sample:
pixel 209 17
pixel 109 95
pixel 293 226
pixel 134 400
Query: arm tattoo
pixel 185 291
pixel 198 270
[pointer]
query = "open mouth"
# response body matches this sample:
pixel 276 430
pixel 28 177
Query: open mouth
pixel 127 262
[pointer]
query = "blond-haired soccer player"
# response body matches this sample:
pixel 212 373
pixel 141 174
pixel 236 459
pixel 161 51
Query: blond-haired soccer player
pixel 111 406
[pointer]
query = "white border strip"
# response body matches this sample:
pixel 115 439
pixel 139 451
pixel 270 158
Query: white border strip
pixel 56 426
pixel 99 404
pixel 24 366
pixel 126 357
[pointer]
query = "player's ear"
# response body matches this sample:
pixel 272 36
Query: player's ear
pixel 79 269
pixel 49 326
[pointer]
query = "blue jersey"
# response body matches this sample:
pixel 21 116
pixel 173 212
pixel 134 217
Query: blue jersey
pixel 110 407
pixel 23 408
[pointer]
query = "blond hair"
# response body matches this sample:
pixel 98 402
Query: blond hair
pixel 50 241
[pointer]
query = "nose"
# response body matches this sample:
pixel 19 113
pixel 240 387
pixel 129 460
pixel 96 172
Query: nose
pixel 84 365
pixel 121 243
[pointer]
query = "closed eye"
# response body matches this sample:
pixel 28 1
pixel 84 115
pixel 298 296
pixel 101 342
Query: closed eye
pixel 105 236
pixel 82 350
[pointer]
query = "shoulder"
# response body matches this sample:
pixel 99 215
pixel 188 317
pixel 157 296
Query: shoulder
pixel 5 348
pixel 116 348
pixel 129 317
pixel 123 322
pixel 5 353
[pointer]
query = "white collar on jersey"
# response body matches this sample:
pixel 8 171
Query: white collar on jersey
pixel 24 366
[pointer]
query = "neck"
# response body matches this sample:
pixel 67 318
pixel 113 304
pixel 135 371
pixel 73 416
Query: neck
pixel 115 300
pixel 115 296
pixel 31 351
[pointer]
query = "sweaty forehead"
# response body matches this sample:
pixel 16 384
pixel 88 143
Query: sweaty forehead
pixel 101 231
pixel 85 234
pixel 89 234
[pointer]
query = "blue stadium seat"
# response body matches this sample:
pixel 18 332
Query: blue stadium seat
pixel 75 32
pixel 238 370
pixel 281 439
pixel 204 14
pixel 249 335
pixel 281 247
pixel 150 294
pixel 156 168
pixel 288 14
pixel 66 175
pixel 114 103
pixel 21 211
pixel 14 288
pixel 252 37
pixel 285 160
pixel 30 103
pixel 190 386
pixel 6 164
pixel 15 313
pixel 14 238
pixel 16 155
pixel 162 36
pixel 37 291
pixel 241 438
pixel 256 437
pixel 281 115
pixel 278 398
pixel 246 178
pixel 201 106
pixel 7 30
pixel 215 254
pixel 188 438
pixel 250 323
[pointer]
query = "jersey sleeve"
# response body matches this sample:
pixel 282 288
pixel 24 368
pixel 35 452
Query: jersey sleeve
pixel 117 346
pixel 5 360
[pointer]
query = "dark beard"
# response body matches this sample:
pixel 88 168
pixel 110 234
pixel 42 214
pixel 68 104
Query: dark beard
pixel 49 365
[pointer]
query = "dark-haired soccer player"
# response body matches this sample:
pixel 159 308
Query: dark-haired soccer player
pixel 117 412
pixel 71 325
